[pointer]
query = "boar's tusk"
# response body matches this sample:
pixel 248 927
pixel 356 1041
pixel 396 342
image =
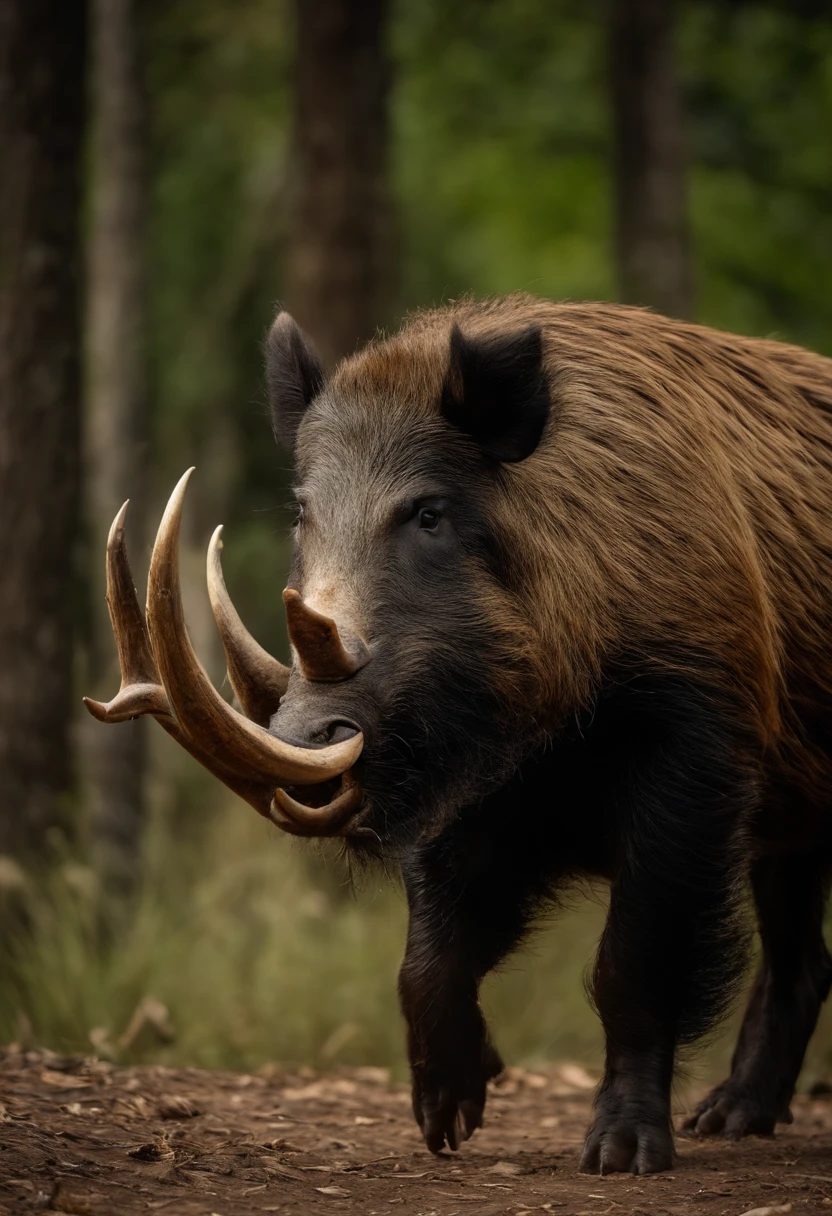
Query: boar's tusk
pixel 258 679
pixel 301 820
pixel 235 742
pixel 321 653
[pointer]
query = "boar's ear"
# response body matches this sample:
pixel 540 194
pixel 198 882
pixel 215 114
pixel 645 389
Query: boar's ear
pixel 294 376
pixel 496 391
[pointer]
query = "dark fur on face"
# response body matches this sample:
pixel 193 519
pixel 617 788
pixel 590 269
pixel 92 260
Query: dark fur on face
pixel 438 701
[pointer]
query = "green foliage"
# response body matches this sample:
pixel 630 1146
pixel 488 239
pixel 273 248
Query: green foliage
pixel 759 89
pixel 259 958
pixel 500 150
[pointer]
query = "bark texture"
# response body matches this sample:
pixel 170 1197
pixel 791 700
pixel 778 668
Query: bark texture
pixel 651 225
pixel 339 255
pixel 117 428
pixel 42 52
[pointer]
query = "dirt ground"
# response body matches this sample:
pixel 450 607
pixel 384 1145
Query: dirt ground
pixel 81 1136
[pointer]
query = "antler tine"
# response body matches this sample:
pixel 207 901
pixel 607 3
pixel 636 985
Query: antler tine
pixel 258 679
pixel 141 691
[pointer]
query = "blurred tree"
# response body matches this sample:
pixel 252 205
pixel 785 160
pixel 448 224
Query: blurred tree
pixel 338 259
pixel 500 149
pixel 42 53
pixel 651 227
pixel 116 409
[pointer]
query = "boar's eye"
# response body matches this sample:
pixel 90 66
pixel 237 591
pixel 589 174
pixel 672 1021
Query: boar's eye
pixel 429 519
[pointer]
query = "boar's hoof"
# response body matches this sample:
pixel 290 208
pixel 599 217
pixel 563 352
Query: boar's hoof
pixel 448 1121
pixel 617 1144
pixel 450 1110
pixel 734 1111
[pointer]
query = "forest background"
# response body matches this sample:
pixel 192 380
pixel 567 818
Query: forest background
pixel 170 172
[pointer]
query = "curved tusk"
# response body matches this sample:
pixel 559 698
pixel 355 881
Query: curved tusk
pixel 258 679
pixel 321 653
pixel 234 741
pixel 300 820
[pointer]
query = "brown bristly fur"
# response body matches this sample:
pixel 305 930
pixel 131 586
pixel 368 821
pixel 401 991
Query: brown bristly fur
pixel 682 492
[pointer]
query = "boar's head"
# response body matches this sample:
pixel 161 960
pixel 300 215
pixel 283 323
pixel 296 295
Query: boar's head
pixel 411 692
pixel 400 606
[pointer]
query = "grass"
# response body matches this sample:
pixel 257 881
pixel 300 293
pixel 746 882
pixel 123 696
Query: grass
pixel 261 955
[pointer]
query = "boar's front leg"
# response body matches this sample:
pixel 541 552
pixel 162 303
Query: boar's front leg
pixel 469 906
pixel 673 947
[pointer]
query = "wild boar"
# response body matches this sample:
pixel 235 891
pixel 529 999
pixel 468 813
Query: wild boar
pixel 560 605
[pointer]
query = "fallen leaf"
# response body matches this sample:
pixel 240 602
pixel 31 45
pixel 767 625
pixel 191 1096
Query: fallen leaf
pixel 507 1168
pixel 62 1080
pixel 333 1190
pixel 282 1171
pixel 535 1081
pixel 154 1151
pixel 172 1106
pixel 134 1107
pixel 366 1121
pixel 372 1075
pixel 576 1076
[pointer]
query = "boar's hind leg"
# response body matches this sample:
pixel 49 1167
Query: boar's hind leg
pixel 794 979
pixel 673 950
pixel 470 902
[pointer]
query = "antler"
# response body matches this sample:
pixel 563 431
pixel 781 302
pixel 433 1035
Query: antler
pixel 258 679
pixel 162 676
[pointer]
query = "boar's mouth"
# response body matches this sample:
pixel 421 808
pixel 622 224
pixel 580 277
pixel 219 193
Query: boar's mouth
pixel 329 806
pixel 305 791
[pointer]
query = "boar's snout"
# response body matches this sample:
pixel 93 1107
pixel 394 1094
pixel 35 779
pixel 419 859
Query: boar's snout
pixel 294 724
pixel 312 714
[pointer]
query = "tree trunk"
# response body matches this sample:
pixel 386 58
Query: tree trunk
pixel 338 257
pixel 42 52
pixel 117 431
pixel 652 237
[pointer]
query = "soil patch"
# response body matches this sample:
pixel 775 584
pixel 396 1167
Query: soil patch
pixel 81 1136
